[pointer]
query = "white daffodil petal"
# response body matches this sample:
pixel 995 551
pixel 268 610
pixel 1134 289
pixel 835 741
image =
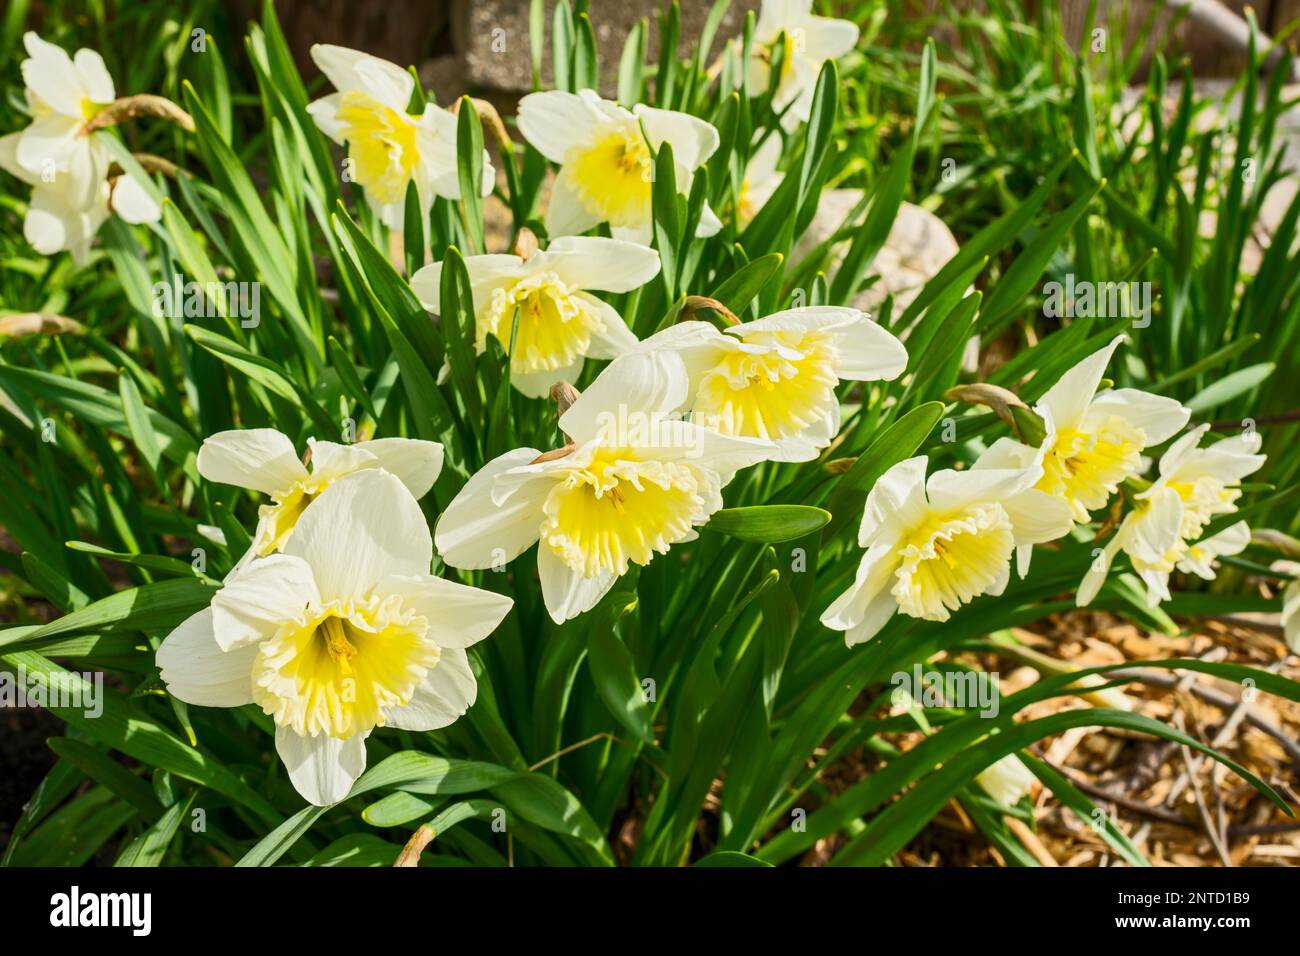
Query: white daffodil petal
pixel 96 83
pixel 458 615
pixel 1291 614
pixel 1037 516
pixel 49 226
pixel 1160 418
pixel 259 458
pixel 1006 453
pixel 1155 530
pixel 484 272
pixel 699 345
pixel 866 352
pixel 554 120
pixel 950 490
pixel 605 265
pixel 1180 450
pixel 724 454
pixel 642 233
pixel 565 592
pixel 54 141
pixel 614 338
pixel 50 74
pixel 475 532
pixel 872 576
pixel 538 384
pixel 325 114
pixel 322 769
pixel 331 460
pixel 567 215
pixel 1201 556
pixel 353 70
pixel 415 462
pixel 259 597
pixel 1068 399
pixel 777 15
pixel 1099 568
pixel 648 385
pixel 361 529
pixel 132 201
pixel 710 224
pixel 447 692
pixel 197 670
pixel 693 140
pixel 825 38
pixel 9 159
pixel 899 494
pixel 1007 781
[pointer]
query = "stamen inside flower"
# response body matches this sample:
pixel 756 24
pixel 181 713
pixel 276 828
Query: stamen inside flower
pixel 1086 467
pixel 381 145
pixel 612 176
pixel 555 325
pixel 770 394
pixel 617 510
pixel 339 670
pixel 951 559
pixel 1203 499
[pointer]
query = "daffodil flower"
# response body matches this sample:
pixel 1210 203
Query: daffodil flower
pixel 775 378
pixel 807 42
pixel 264 460
pixel 933 546
pixel 633 482
pixel 67 168
pixel 761 179
pixel 1163 531
pixel 1290 604
pixel 1094 439
pixel 1007 781
pixel 344 632
pixel 606 158
pixel 561 324
pixel 387 146
pixel 55 223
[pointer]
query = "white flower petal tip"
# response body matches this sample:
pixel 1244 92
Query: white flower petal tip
pixel 265 460
pixel 1007 781
pixel 606 158
pixel 636 481
pixel 345 633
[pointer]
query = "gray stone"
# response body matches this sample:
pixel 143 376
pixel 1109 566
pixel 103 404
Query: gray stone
pixel 492 37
